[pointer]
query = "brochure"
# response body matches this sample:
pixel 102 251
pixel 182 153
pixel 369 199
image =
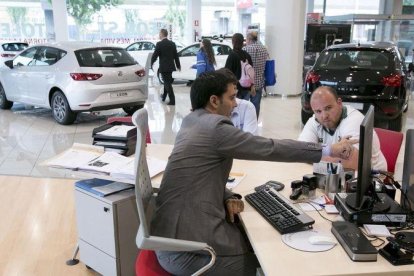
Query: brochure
pixel 102 187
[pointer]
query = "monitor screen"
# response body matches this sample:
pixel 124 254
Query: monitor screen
pixel 407 195
pixel 364 161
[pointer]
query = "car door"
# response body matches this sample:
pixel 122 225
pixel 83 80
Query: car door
pixel 16 82
pixel 187 58
pixel 42 74
pixel 221 52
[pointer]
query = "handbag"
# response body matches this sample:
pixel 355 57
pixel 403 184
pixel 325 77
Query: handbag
pixel 270 73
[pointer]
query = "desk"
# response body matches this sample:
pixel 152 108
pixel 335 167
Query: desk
pixel 275 257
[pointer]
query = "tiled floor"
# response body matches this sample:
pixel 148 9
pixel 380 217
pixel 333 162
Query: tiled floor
pixel 29 136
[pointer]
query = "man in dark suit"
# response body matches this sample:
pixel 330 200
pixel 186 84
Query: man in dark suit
pixel 166 50
pixel 193 202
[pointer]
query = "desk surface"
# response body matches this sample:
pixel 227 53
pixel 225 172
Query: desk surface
pixel 276 258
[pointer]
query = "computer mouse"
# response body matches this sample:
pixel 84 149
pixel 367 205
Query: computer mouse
pixel 321 240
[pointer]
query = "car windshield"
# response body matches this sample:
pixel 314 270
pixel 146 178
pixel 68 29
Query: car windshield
pixel 358 59
pixel 104 57
pixel 15 46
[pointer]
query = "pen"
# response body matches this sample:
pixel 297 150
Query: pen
pixel 328 169
pixel 333 168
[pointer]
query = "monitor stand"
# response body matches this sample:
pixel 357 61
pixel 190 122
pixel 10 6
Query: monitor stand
pixel 375 204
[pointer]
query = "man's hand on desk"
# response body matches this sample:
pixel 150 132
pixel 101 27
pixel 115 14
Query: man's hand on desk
pixel 233 206
pixel 343 149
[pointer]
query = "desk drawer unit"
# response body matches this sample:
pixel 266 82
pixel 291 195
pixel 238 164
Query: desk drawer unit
pixel 107 227
pixel 97 259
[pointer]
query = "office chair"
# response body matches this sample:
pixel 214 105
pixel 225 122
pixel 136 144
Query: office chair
pixel 146 203
pixel 128 119
pixel 390 144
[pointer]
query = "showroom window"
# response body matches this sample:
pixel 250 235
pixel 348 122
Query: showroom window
pixel 123 22
pixel 340 7
pixel 23 21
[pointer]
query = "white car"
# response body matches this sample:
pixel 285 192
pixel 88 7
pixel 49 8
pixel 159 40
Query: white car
pixel 8 50
pixel 140 49
pixel 188 59
pixel 71 77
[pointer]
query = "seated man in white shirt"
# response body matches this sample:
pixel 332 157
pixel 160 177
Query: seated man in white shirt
pixel 244 116
pixel 333 121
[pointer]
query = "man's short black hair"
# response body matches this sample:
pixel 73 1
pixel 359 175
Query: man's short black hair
pixel 209 84
pixel 164 32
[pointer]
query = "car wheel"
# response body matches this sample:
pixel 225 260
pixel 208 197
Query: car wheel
pixel 395 124
pixel 131 109
pixel 305 116
pixel 4 103
pixel 61 109
pixel 159 76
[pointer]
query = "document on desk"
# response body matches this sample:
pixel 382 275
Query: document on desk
pixel 117 131
pixel 234 179
pixel 107 163
pixel 77 154
pixel 155 166
pixel 102 187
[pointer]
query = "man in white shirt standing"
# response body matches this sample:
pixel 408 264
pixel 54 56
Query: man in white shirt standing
pixel 244 116
pixel 333 121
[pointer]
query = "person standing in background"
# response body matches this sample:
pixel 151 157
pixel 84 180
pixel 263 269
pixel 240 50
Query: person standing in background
pixel 259 54
pixel 205 57
pixel 167 51
pixel 233 64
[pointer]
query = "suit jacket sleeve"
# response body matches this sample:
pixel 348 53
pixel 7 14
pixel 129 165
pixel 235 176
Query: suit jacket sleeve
pixel 231 141
pixel 155 54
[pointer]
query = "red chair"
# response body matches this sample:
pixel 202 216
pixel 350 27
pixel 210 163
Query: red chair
pixel 147 264
pixel 390 144
pixel 128 120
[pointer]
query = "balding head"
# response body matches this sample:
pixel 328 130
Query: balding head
pixel 251 37
pixel 327 106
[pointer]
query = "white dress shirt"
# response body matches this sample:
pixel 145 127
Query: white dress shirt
pixel 244 116
pixel 313 131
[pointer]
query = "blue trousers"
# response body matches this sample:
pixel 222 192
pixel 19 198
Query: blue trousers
pixel 256 101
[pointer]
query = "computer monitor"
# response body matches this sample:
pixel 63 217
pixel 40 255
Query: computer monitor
pixel 364 180
pixel 407 193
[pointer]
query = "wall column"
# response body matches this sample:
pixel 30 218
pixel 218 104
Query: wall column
pixel 193 16
pixel 60 20
pixel 285 28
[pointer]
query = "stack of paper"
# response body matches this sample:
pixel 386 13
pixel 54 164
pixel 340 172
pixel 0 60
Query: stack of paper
pixel 116 131
pixel 94 159
pixel 155 166
pixel 73 157
pixel 107 163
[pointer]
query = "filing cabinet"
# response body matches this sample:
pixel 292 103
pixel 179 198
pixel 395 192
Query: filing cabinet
pixel 107 227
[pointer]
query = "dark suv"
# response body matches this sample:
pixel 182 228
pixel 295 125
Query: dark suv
pixel 363 74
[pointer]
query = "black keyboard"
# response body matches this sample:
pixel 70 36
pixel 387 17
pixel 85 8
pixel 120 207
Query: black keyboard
pixel 279 211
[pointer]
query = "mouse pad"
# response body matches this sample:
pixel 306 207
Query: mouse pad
pixel 300 240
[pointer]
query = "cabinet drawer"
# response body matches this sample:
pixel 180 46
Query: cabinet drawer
pixel 96 259
pixel 95 221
